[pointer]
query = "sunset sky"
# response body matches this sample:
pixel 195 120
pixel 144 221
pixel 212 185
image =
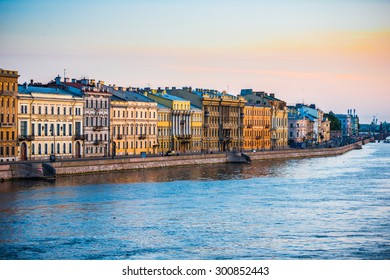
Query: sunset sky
pixel 333 53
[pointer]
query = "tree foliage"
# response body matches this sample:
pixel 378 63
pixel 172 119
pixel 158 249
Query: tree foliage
pixel 334 121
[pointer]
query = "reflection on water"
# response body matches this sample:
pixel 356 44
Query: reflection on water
pixel 319 208
pixel 195 173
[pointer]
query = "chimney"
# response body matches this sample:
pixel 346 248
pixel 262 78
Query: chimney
pixel 74 81
pixel 272 95
pixel 58 80
pixel 66 80
pixel 84 81
pixel 31 82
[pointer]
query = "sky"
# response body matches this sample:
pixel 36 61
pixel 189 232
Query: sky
pixel 333 53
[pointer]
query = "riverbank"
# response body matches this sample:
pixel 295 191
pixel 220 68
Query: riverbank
pixel 66 168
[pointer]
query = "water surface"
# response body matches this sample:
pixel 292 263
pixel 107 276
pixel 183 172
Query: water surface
pixel 317 208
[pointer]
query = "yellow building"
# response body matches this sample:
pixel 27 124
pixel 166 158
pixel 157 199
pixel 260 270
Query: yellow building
pixel 8 115
pixel 184 125
pixel 279 124
pixel 50 123
pixel 279 115
pixel 223 118
pixel 164 128
pixel 257 121
pixel 133 123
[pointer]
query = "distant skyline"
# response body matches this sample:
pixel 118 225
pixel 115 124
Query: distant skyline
pixel 334 53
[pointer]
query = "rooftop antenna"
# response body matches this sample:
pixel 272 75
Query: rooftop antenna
pixel 64 73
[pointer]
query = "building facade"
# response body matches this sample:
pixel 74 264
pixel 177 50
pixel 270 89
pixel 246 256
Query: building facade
pixel 257 121
pixel 164 128
pixel 185 122
pixel 8 115
pixel 133 121
pixel 300 131
pixel 279 115
pixel 50 123
pixel 223 118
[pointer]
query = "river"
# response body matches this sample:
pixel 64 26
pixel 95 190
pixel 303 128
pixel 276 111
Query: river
pixel 314 208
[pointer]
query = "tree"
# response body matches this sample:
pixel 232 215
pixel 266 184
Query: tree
pixel 334 121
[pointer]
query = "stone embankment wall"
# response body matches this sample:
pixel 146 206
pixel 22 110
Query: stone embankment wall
pixel 83 166
pixel 286 154
pixel 107 165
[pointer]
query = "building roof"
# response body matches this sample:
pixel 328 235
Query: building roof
pixel 171 97
pixel 25 89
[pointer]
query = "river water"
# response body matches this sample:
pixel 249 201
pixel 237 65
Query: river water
pixel 316 208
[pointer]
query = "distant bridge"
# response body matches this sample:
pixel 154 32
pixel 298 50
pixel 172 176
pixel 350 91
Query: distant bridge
pixel 381 136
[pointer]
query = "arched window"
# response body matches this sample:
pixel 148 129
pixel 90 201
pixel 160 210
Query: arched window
pixel 45 148
pixel 39 149
pixel 64 148
pixel 58 148
pixel 70 148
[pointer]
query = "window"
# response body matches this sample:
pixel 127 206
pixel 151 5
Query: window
pixel 45 148
pixel 64 110
pixel 58 110
pixel 23 128
pixel 70 111
pixel 39 110
pixel 33 149
pixel 39 129
pixel 70 129
pixel 39 149
pixel 70 148
pixel 78 128
pixel 52 110
pixel 46 111
pixel 64 148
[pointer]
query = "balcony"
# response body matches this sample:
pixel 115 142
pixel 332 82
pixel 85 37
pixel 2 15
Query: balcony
pixel 26 137
pixel 79 137
pixel 98 142
pixel 142 136
pixel 7 124
pixel 183 137
pixel 119 136
pixel 225 139
pixel 98 128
